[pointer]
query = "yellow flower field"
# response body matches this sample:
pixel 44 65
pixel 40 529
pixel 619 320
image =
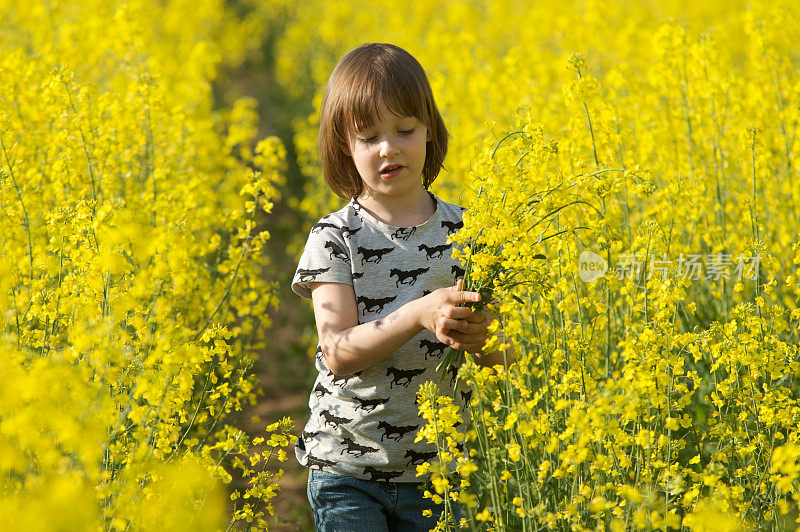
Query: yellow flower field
pixel 631 174
pixel 630 170
pixel 130 260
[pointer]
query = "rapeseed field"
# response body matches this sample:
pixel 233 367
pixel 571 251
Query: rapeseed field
pixel 631 174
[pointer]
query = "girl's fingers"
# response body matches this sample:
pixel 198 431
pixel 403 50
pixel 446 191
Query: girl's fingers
pixel 462 326
pixel 466 338
pixel 477 316
pixel 466 297
pixel 459 313
pixel 460 296
pixel 468 347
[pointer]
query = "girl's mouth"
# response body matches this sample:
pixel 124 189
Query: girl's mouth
pixel 391 171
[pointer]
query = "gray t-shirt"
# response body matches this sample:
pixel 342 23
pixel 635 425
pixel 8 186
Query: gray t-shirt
pixel 364 424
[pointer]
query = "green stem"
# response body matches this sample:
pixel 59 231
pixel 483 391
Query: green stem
pixel 26 220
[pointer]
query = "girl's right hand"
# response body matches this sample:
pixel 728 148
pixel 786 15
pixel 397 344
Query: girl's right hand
pixel 442 315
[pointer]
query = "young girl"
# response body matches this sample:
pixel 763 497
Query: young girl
pixel 385 291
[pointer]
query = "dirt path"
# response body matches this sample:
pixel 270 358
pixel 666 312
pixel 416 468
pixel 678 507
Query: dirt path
pixel 283 374
pixel 285 370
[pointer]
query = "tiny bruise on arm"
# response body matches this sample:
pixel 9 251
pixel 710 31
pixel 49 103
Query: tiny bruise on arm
pixel 388 319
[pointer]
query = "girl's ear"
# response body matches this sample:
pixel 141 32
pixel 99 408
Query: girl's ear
pixel 429 136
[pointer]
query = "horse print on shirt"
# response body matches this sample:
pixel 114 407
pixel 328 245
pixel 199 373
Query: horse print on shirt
pixel 403 233
pixel 333 421
pixel 337 252
pixel 416 458
pixel 452 227
pixel 320 391
pixel 355 449
pixel 368 405
pixel 453 371
pixel 403 374
pixel 318 227
pixel 435 251
pixel 403 276
pixel 342 380
pixel 310 275
pixel 319 462
pixel 376 474
pixel 466 397
pixel 346 231
pixel 373 255
pixel 376 304
pixel 432 349
pixel 457 271
pixel 391 432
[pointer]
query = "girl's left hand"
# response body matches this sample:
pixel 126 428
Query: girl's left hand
pixel 473 335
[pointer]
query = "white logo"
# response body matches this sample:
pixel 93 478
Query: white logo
pixel 591 266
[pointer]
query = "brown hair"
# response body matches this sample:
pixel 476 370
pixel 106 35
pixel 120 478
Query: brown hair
pixel 367 76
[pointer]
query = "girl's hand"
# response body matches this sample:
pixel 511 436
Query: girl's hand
pixel 468 341
pixel 456 326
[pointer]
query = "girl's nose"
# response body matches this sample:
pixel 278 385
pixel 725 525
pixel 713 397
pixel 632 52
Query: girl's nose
pixel 388 148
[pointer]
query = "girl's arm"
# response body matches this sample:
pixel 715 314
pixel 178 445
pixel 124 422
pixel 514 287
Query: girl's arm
pixel 349 347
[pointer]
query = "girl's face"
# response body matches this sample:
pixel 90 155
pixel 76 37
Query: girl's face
pixel 390 154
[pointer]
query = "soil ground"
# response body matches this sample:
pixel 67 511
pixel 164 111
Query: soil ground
pixel 285 372
pixel 285 369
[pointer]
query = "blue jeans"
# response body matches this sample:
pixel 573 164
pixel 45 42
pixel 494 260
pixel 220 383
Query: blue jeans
pixel 347 504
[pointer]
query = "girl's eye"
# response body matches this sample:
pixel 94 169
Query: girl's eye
pixel 370 140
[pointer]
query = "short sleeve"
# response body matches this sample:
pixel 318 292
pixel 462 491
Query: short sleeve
pixel 325 259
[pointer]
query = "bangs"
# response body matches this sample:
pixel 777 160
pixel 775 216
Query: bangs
pixel 379 83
